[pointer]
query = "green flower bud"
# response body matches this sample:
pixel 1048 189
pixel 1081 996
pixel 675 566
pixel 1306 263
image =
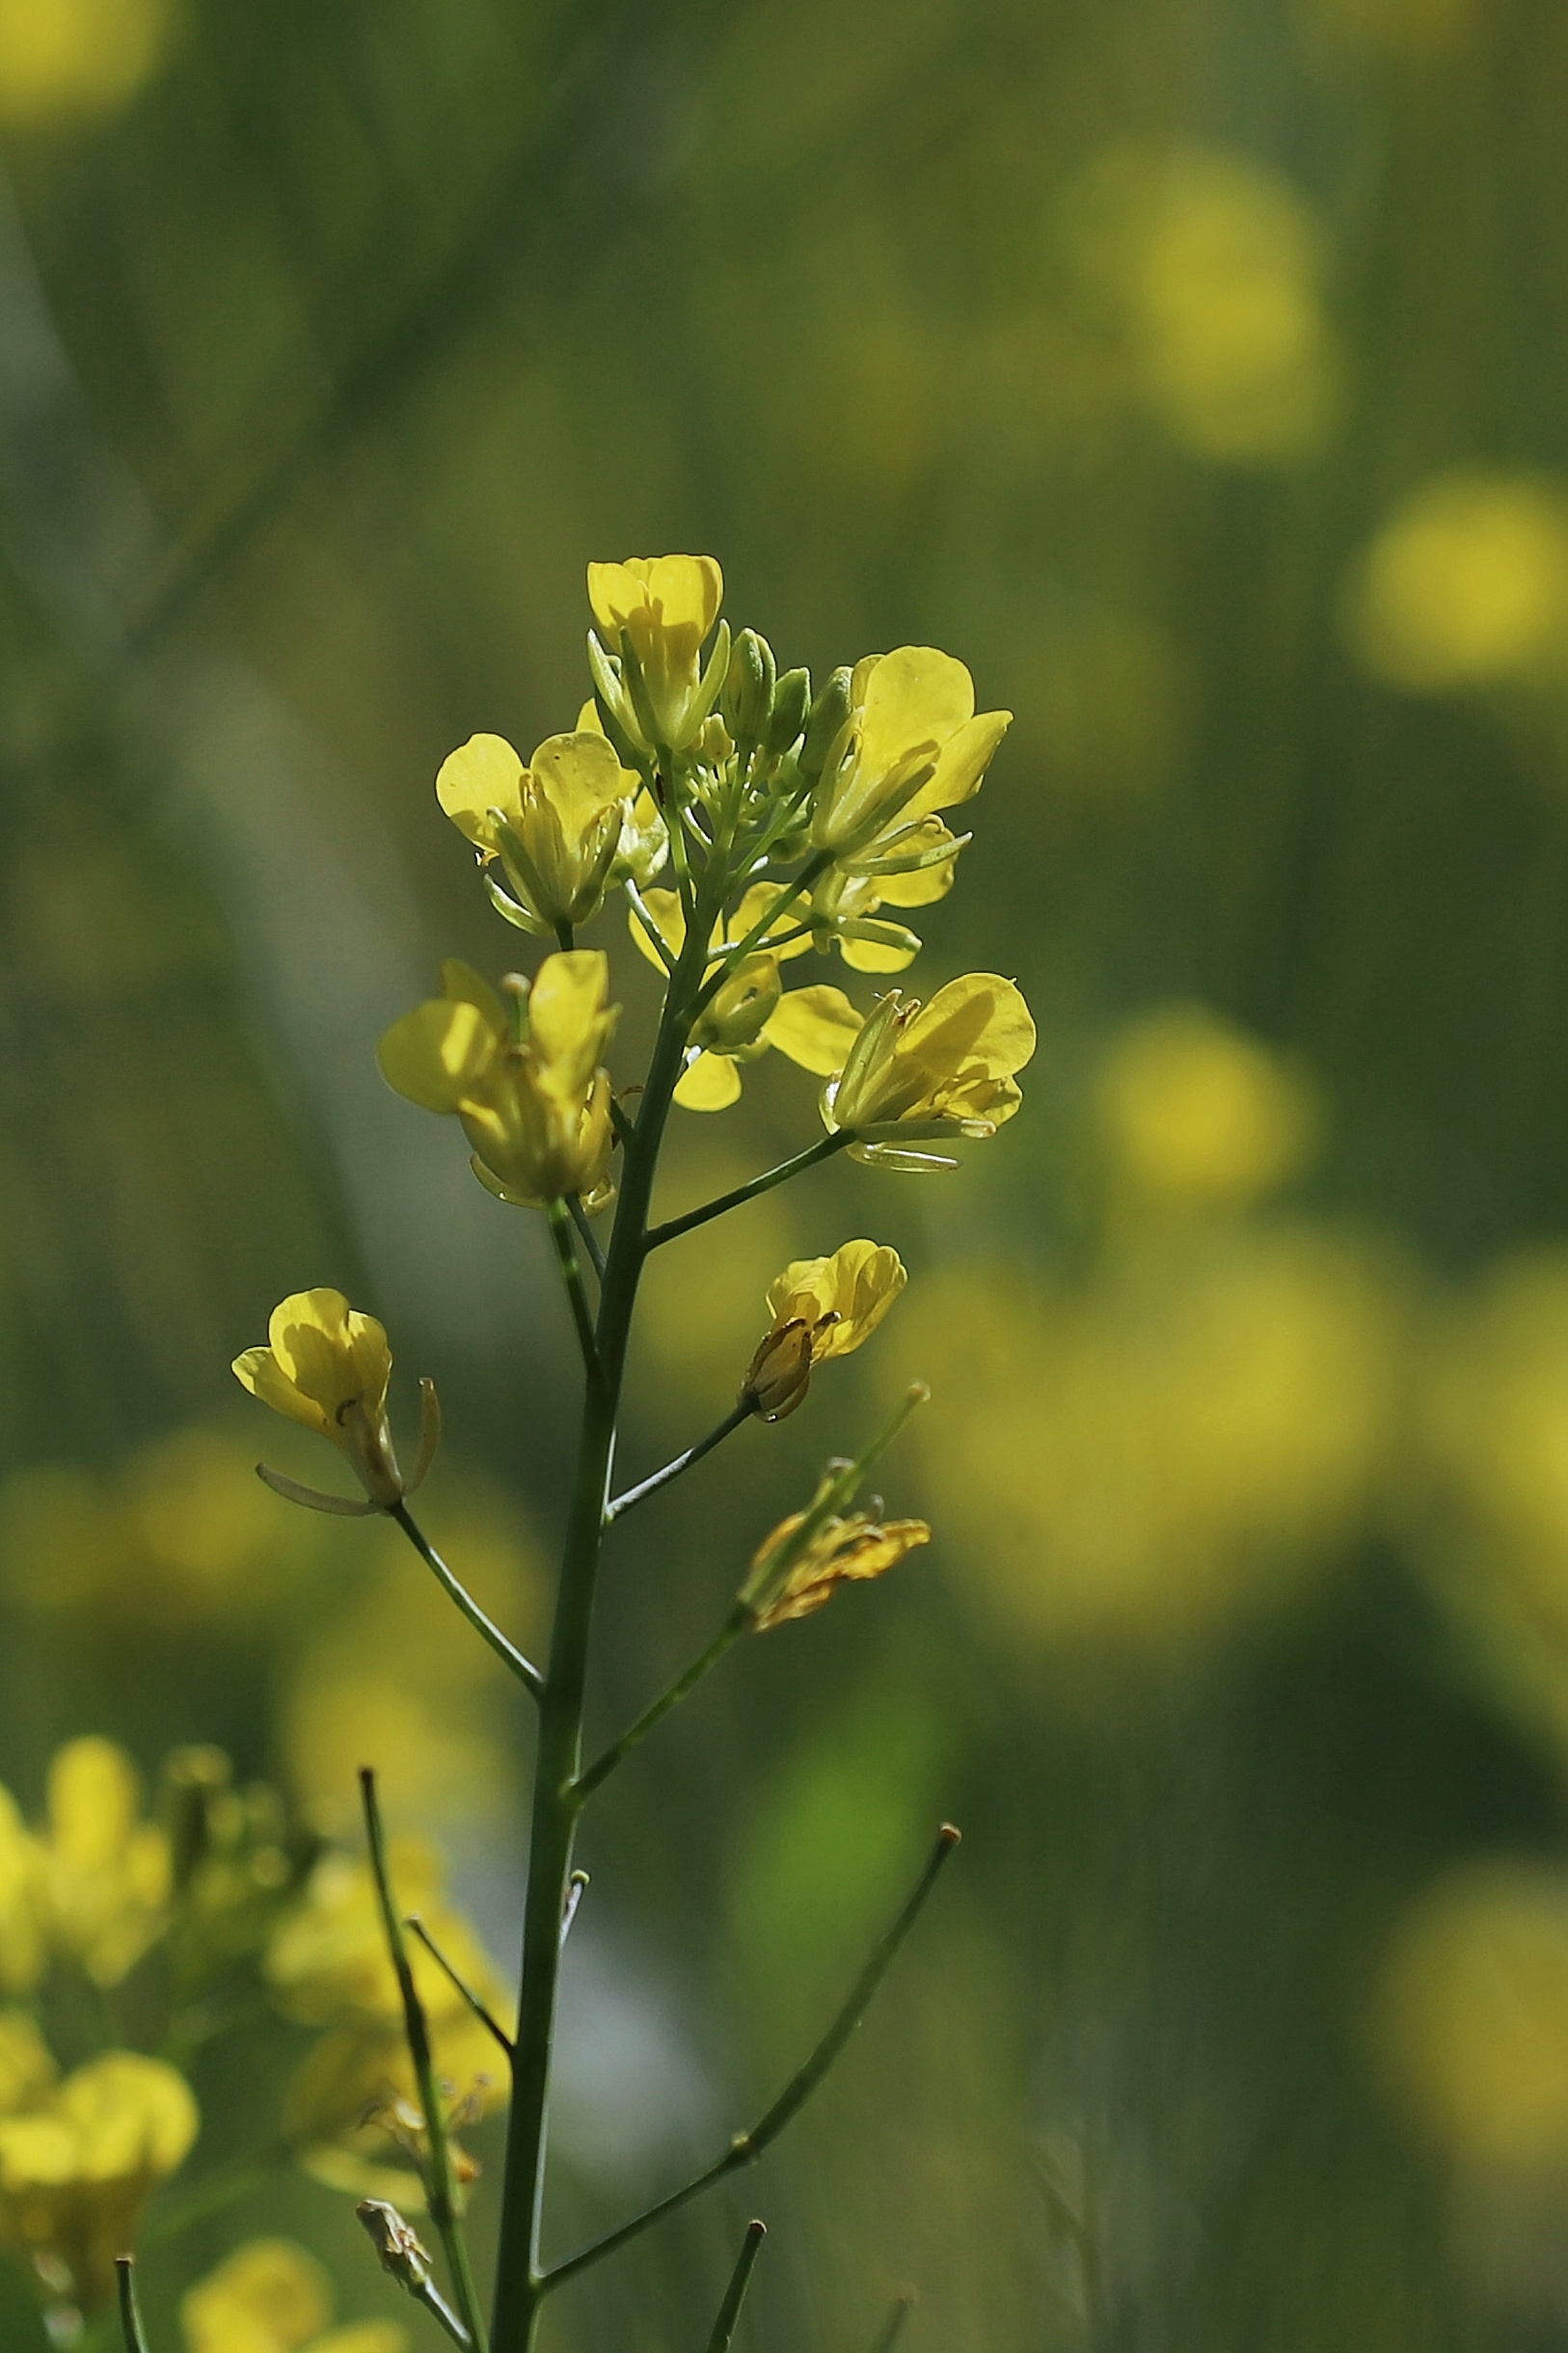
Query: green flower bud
pixel 830 715
pixel 792 699
pixel 747 692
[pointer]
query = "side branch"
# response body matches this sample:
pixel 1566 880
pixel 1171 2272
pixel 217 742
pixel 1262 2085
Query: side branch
pixel 523 1668
pixel 748 2147
pixel 440 2190
pixel 741 1411
pixel 729 2312
pixel 734 1626
pixel 130 2311
pixel 560 1233
pixel 417 1928
pixel 657 1236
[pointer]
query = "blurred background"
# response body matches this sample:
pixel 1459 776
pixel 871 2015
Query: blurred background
pixel 1194 370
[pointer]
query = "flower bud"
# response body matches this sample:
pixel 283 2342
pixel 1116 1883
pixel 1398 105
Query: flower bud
pixel 792 701
pixel 747 694
pixel 779 1375
pixel 397 2248
pixel 830 715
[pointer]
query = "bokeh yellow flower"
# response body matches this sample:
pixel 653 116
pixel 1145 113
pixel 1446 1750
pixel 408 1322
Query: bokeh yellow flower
pixel 78 2164
pixel 329 1366
pixel 942 1069
pixel 105 1871
pixel 535 1110
pixel 64 59
pixel 1472 2016
pixel 914 745
pixel 655 613
pixel 557 826
pixel 1195 1114
pixel 1467 587
pixel 269 2296
pixel 820 1307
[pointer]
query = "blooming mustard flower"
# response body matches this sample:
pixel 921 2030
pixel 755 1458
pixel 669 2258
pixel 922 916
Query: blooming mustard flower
pixel 820 1307
pixel 655 613
pixel 327 1366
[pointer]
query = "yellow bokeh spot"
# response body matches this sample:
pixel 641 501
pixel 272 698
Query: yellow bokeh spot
pixel 1471 2019
pixel 1214 265
pixel 1467 585
pixel 1147 1458
pixel 61 58
pixel 1193 1112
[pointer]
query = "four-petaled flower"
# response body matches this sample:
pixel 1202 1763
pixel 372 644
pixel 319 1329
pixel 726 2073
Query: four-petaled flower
pixel 820 1307
pixel 563 827
pixel 918 1072
pixel 655 613
pixel 329 1366
pixel 535 1109
pixel 914 744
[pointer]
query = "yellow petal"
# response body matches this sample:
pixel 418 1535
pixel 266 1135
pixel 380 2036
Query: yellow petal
pixel 131 2114
pixel 980 1018
pixel 258 1370
pixel 960 765
pixel 755 905
pixel 566 1007
pixel 913 695
pixel 581 776
pixel 688 590
pixel 873 955
pixel 268 2291
pixel 712 1084
pixel 94 1799
pixel 362 2337
pixel 484 773
pixel 437 1054
pixel 815 1027
pixel 464 986
pixel 668 918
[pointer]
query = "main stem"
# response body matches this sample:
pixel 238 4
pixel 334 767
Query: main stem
pixel 557 1804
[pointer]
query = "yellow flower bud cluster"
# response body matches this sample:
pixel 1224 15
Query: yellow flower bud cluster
pixel 80 2156
pixel 354 2098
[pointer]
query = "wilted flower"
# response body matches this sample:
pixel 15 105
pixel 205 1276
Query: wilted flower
pixel 798 1568
pixel 269 2296
pixel 942 1069
pixel 557 826
pixel 536 1110
pixel 914 744
pixel 329 1366
pixel 820 1307
pixel 79 2163
pixel 655 613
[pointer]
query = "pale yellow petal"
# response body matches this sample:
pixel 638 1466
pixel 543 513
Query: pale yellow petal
pixel 93 1797
pixel 258 1370
pixel 484 773
pixel 960 765
pixel 712 1084
pixel 437 1054
pixel 464 986
pixel 875 955
pixel 980 1018
pixel 668 919
pixel 913 695
pixel 131 2114
pixel 581 776
pixel 566 1007
pixel 814 1027
pixel 269 2289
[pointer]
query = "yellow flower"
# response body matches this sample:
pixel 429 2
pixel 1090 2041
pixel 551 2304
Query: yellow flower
pixel 1466 587
pixel 536 1110
pixel 78 2166
pixel 655 613
pixel 558 827
pixel 795 1574
pixel 269 2296
pixel 942 1069
pixel 23 1924
pixel 329 1366
pixel 106 1872
pixel 1197 1113
pixel 820 1307
pixel 914 745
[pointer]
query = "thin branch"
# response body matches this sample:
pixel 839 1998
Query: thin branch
pixel 815 866
pixel 741 1411
pixel 560 1233
pixel 650 930
pixel 892 2330
pixel 748 2147
pixel 729 2312
pixel 440 2190
pixel 416 1926
pixel 130 2311
pixel 523 1668
pixel 577 1887
pixel 586 1234
pixel 734 1626
pixel 659 1236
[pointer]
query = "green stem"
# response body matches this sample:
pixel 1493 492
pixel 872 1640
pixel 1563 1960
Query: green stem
pixel 786 1168
pixel 523 1668
pixel 748 2147
pixel 741 1411
pixel 130 2311
pixel 734 1626
pixel 519 2281
pixel 654 935
pixel 815 865
pixel 417 1928
pixel 729 2312
pixel 439 2189
pixel 560 1233
pixel 586 1235
pixel 566 937
pixel 888 2334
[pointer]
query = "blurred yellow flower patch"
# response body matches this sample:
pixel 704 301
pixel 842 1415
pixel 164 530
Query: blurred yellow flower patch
pixel 269 2296
pixel 64 59
pixel 1211 267
pixel 1196 1114
pixel 1467 587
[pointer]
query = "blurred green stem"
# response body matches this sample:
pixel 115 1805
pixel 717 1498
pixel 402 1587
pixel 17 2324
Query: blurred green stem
pixel 892 2328
pixel 729 2312
pixel 439 2189
pixel 734 1626
pixel 130 2311
pixel 741 1411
